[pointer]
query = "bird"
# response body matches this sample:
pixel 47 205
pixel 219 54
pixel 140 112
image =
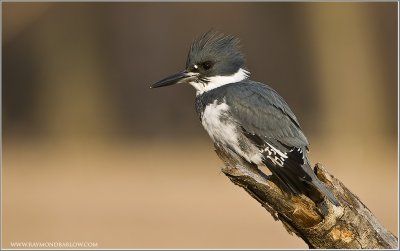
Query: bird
pixel 247 118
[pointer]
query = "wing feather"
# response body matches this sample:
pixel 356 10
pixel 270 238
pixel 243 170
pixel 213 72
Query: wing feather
pixel 263 112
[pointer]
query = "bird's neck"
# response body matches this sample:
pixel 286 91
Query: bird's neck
pixel 217 81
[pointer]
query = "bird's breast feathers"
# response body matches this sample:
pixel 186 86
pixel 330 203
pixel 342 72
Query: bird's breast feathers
pixel 218 124
pixel 225 131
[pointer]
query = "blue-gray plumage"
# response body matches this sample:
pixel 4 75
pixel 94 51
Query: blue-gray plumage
pixel 248 118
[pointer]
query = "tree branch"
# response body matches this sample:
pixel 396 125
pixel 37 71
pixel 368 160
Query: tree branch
pixel 352 225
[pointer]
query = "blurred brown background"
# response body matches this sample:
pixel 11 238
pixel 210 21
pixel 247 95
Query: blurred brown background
pixel 90 153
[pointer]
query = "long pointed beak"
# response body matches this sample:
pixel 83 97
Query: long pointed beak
pixel 171 80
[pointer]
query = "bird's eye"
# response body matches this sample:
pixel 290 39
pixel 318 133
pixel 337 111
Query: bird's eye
pixel 206 65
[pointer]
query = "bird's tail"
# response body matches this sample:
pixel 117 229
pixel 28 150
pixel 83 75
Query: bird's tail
pixel 320 187
pixel 297 177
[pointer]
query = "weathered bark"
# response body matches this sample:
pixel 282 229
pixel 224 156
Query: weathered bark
pixel 322 225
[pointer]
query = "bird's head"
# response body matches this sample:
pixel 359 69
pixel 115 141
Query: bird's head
pixel 214 59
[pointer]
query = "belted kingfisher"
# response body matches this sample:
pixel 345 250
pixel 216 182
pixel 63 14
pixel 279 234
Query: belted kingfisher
pixel 249 118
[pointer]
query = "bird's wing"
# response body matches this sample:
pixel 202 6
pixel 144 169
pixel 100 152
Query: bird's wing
pixel 262 112
pixel 268 122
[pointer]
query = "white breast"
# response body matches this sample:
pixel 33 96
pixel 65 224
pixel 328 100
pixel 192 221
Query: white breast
pixel 219 129
pixel 224 130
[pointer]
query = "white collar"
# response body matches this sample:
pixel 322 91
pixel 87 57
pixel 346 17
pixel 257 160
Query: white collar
pixel 217 81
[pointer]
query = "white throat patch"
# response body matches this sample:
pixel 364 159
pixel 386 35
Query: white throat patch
pixel 217 81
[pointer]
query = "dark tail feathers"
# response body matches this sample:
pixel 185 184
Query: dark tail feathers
pixel 323 190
